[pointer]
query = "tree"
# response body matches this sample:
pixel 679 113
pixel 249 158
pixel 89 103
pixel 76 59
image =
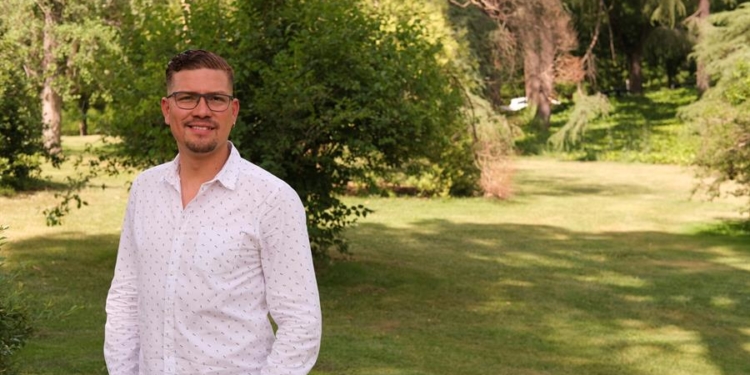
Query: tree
pixel 697 22
pixel 722 115
pixel 20 125
pixel 700 16
pixel 668 48
pixel 20 144
pixel 61 45
pixel 632 21
pixel 542 29
pixel 330 94
pixel 546 37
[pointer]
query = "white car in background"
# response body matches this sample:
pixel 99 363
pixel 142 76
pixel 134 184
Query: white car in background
pixel 517 104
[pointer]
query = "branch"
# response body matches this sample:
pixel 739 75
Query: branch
pixel 493 8
pixel 464 5
pixel 609 26
pixel 586 60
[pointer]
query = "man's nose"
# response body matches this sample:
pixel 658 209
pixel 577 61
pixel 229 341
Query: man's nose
pixel 202 107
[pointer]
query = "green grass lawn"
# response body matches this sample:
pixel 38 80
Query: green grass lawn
pixel 591 268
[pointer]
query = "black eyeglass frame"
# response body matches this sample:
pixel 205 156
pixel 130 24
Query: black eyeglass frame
pixel 205 98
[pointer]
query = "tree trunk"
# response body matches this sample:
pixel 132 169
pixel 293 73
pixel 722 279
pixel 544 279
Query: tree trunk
pixel 546 73
pixel 51 99
pixel 702 79
pixel 635 81
pixel 83 105
pixel 51 118
pixel 532 80
pixel 538 82
pixel 543 29
pixel 540 50
pixel 83 127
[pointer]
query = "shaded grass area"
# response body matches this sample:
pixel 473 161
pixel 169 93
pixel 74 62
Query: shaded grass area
pixel 641 128
pixel 65 277
pixel 572 303
pixel 591 268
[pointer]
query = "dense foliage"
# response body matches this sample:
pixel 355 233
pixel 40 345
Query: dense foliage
pixel 722 115
pixel 20 130
pixel 330 94
pixel 372 93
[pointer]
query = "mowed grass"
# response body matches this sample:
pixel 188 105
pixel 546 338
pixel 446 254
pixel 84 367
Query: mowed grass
pixel 591 268
pixel 64 271
pixel 596 268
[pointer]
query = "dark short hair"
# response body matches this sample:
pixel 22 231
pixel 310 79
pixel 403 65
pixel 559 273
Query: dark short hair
pixel 198 59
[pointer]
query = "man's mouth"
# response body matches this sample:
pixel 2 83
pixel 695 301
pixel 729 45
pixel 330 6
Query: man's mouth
pixel 201 126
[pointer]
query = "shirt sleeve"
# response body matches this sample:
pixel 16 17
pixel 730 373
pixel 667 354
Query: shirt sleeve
pixel 121 333
pixel 291 288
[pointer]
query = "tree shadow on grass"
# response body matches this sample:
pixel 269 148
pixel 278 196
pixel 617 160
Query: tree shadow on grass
pixel 35 185
pixel 559 186
pixel 449 298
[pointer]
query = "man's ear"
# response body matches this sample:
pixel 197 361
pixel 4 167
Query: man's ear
pixel 165 109
pixel 235 108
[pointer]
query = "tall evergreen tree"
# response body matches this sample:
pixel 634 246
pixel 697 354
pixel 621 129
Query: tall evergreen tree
pixel 722 115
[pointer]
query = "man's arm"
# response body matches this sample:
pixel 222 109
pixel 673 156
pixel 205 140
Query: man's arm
pixel 121 334
pixel 291 288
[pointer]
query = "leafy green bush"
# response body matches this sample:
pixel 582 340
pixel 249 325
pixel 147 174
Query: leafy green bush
pixel 338 94
pixel 330 94
pixel 20 131
pixel 14 323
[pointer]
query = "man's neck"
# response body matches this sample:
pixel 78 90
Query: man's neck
pixel 196 169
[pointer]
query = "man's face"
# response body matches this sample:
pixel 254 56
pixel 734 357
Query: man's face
pixel 200 131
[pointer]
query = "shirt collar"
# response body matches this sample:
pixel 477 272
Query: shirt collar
pixel 227 176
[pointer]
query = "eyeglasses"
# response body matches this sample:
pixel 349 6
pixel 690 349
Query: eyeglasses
pixel 190 100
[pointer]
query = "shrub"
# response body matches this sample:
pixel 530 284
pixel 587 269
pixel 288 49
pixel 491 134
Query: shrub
pixel 496 169
pixel 20 132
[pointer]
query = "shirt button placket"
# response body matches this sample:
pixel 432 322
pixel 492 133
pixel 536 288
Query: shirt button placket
pixel 178 248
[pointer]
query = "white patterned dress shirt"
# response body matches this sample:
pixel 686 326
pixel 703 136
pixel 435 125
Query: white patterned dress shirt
pixel 193 288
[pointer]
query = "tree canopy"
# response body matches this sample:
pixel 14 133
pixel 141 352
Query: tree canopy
pixel 336 94
pixel 330 93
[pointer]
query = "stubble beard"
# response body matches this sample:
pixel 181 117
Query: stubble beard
pixel 202 147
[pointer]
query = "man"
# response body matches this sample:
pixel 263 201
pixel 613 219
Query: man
pixel 212 247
